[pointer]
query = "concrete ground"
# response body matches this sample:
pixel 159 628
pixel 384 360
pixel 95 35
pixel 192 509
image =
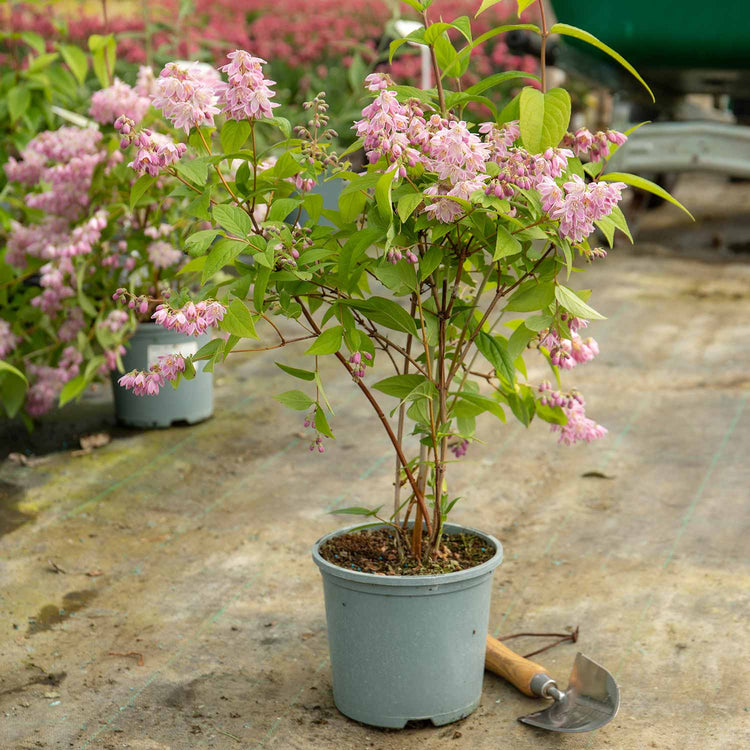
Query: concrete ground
pixel 185 612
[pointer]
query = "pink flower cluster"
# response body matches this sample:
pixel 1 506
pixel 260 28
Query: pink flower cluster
pixel 162 254
pixel 185 97
pixel 358 359
pixel 567 353
pixel 400 133
pixel 193 319
pixel 247 95
pixel 579 427
pixel 115 321
pixel 577 205
pixel 394 255
pixel 459 448
pixel 47 382
pixel 595 146
pixel 155 151
pixel 149 382
pixel 64 160
pixel 118 99
pixel 8 339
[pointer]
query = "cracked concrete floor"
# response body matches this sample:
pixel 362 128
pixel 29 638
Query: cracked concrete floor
pixel 189 614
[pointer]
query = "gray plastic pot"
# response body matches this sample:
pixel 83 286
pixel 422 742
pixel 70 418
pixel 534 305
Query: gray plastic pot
pixel 192 402
pixel 407 647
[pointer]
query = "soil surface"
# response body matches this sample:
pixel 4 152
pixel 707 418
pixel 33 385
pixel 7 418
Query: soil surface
pixel 380 551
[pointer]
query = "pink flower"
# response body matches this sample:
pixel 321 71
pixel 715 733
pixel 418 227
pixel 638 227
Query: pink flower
pixel 185 97
pixel 8 340
pixel 193 319
pixel 579 427
pixel 247 95
pixel 162 254
pixel 118 99
pixel 149 382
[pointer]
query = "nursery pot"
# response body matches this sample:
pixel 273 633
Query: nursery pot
pixel 407 647
pixel 192 402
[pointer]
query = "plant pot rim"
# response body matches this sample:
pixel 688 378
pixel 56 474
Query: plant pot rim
pixel 416 580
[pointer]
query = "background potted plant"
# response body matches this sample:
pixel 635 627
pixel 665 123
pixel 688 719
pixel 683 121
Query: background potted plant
pixel 76 231
pixel 449 260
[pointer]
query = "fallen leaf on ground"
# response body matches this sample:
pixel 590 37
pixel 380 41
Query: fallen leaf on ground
pixel 52 694
pixel 596 475
pixel 94 573
pixel 24 460
pixel 89 442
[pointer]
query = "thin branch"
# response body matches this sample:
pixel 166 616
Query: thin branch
pixel 368 395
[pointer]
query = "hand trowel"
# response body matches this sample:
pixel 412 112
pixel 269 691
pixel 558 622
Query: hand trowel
pixel 591 700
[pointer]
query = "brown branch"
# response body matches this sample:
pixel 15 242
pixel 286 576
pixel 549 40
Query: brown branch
pixel 368 395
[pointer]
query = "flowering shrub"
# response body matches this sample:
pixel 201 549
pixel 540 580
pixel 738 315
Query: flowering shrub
pixel 449 255
pixel 76 230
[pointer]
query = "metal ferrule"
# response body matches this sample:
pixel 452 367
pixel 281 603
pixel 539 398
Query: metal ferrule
pixel 542 684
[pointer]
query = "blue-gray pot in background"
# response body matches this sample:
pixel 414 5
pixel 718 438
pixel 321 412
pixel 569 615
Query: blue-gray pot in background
pixel 407 647
pixel 192 402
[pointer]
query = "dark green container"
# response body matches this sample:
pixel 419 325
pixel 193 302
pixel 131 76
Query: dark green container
pixel 192 402
pixel 683 34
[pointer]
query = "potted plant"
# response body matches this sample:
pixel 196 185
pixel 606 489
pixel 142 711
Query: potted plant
pixel 449 261
pixel 78 229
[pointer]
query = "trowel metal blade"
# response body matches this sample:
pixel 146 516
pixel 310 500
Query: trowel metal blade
pixel 591 700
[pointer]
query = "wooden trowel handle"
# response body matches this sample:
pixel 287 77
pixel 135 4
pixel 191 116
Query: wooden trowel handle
pixel 508 664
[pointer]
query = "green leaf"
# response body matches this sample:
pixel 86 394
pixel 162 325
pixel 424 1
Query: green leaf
pixel 222 254
pixel 239 321
pixel 352 250
pixel 281 123
pixel 233 219
pixel 643 184
pixel 6 367
pixel 193 266
pixel 400 386
pixel 431 260
pixel 584 36
pixel 386 312
pixel 18 98
pixel 283 207
pixel 357 510
pixel 575 305
pixel 483 403
pixel 194 170
pixel 103 52
pixel 199 206
pixel 383 194
pixel 486 5
pixel 544 118
pixel 321 423
pixel 71 389
pixel 313 203
pixel 607 227
pixel 497 79
pixel 234 133
pixel 76 60
pixel 532 297
pixel 13 386
pixel 295 400
pixel 209 350
pixel 351 205
pixel 619 220
pixel 523 4
pixel 259 289
pixel 296 372
pixel 496 353
pixel 506 244
pixel 140 186
pixel 198 242
pixel 407 204
pixel 518 341
pixel 551 414
pixel 35 41
pixel 329 341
